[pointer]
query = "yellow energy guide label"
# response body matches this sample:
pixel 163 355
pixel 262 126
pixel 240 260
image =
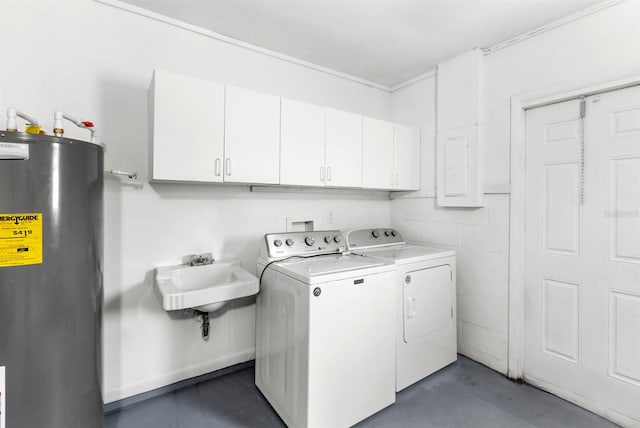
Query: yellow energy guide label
pixel 20 239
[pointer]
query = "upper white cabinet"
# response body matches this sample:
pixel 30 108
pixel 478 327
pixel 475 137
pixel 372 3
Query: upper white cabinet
pixel 458 149
pixel 343 149
pixel 302 143
pixel 201 135
pixel 377 154
pixel 406 157
pixel 320 146
pixel 187 128
pixel 208 132
pixel 252 137
pixel 391 155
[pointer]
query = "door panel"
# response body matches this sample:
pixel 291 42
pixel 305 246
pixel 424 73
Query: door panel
pixel 252 137
pixel 625 122
pixel 625 210
pixel 561 319
pixel 582 273
pixel 406 157
pixel 624 350
pixel 302 144
pixel 188 128
pixel 377 154
pixel 561 213
pixel 343 149
pixel 427 301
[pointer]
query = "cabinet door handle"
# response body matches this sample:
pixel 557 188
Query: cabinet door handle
pixel 217 168
pixel 328 173
pixel 397 179
pixel 321 173
pixel 227 168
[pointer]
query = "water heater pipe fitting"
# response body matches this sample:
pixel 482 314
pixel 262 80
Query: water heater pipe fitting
pixel 58 130
pixel 13 114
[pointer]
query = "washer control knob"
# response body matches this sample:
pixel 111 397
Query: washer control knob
pixel 277 243
pixel 387 233
pixel 289 242
pixel 375 234
pixel 327 239
pixel 309 240
pixel 393 233
pixel 337 239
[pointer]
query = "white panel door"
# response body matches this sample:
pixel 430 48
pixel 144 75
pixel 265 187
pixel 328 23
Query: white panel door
pixel 188 128
pixel 343 148
pixel 302 144
pixel 252 137
pixel 377 154
pixel 406 157
pixel 582 290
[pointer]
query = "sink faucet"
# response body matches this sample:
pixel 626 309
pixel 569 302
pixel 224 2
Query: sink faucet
pixel 199 259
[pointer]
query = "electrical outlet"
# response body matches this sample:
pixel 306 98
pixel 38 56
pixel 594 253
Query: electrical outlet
pixel 330 217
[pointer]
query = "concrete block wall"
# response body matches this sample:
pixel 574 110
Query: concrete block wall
pixel 594 49
pixel 481 240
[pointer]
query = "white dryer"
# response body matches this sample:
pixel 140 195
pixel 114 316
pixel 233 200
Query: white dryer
pixel 325 335
pixel 425 299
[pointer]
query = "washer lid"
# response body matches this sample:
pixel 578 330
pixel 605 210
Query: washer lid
pixel 406 253
pixel 327 268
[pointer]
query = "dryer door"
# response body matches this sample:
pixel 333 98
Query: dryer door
pixel 427 296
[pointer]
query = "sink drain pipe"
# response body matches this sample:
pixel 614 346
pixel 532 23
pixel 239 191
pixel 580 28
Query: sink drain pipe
pixel 204 316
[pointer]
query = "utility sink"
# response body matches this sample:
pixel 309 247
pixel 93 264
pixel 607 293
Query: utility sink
pixel 205 287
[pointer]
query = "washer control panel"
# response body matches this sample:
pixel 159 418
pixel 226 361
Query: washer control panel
pixel 367 238
pixel 295 243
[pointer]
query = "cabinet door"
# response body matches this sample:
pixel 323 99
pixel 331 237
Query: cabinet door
pixel 406 157
pixel 343 148
pixel 252 137
pixel 187 128
pixel 377 154
pixel 302 144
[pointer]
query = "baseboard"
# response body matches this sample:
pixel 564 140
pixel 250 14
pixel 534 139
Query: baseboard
pixel 115 406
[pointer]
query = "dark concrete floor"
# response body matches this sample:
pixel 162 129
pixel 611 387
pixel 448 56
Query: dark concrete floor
pixel 465 394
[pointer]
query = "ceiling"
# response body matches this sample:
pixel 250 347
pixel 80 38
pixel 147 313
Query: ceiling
pixel 383 41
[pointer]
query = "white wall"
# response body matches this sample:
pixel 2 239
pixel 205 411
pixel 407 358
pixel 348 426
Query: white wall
pixel 415 105
pixel 96 61
pixel 602 47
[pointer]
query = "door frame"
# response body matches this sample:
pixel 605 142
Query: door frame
pixel 519 104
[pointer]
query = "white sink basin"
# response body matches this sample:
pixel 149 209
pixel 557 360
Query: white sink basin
pixel 205 288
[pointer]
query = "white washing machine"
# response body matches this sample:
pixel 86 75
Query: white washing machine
pixel 426 301
pixel 325 335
